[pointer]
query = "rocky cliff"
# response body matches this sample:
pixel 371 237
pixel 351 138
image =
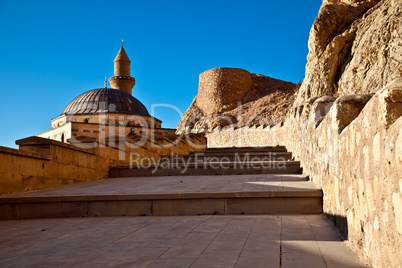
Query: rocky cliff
pixel 232 96
pixel 355 47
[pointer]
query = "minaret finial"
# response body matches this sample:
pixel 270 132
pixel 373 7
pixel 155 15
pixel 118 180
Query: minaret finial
pixel 122 79
pixel 105 81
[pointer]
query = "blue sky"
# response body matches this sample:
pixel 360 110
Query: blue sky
pixel 52 51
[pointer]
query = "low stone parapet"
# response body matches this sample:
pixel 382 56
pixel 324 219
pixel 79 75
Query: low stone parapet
pixel 44 163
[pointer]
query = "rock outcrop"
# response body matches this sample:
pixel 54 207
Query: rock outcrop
pixel 355 47
pixel 235 97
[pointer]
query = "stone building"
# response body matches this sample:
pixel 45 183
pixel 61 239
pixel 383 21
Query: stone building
pixel 104 113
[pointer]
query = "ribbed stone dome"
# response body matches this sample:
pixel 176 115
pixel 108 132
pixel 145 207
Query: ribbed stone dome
pixel 105 100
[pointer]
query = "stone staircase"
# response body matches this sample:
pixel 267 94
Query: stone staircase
pixel 224 161
pixel 226 181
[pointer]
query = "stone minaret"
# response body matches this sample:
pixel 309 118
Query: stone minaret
pixel 122 79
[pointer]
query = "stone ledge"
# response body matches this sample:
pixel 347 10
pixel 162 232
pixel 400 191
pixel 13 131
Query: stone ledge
pixel 28 144
pixel 212 164
pixel 347 108
pixel 24 153
pixel 163 207
pixel 181 196
pixel 390 102
pixel 320 109
pixel 307 106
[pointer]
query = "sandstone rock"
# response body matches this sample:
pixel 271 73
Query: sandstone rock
pixel 266 103
pixel 298 110
pixel 354 47
pixel 189 118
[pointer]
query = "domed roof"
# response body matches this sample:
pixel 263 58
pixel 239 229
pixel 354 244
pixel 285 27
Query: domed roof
pixel 104 100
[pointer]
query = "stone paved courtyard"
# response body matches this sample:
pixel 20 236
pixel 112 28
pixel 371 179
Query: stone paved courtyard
pixel 190 241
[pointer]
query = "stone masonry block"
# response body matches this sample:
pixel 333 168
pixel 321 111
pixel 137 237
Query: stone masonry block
pixel 390 102
pixel 307 105
pixel 320 108
pixel 347 108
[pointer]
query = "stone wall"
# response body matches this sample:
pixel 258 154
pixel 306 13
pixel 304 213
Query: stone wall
pixel 53 164
pixel 353 151
pixel 43 163
pixel 220 89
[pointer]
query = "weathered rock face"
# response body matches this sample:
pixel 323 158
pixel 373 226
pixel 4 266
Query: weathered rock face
pixel 355 46
pixel 231 96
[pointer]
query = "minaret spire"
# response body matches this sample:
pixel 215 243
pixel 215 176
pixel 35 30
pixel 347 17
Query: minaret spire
pixel 122 79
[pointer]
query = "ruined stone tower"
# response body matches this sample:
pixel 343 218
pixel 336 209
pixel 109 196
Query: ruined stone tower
pixel 122 79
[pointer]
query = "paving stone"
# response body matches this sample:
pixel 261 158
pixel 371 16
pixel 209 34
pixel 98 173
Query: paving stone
pixel 224 248
pixel 138 236
pixel 216 261
pixel 124 262
pixel 171 263
pixel 267 260
pixel 165 239
pixel 183 251
pixel 298 234
pixel 267 223
pixel 196 238
pixel 100 259
pixel 59 261
pixel 229 236
pixel 296 221
pixel 147 252
pixel 325 233
pixel 238 240
pixel 263 244
pixel 118 247
pixel 302 259
pixel 210 227
pixel 300 246
pixel 21 261
pixel 331 250
pixel 190 246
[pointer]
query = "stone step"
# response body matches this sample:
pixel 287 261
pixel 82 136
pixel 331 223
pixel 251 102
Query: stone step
pixel 240 153
pixel 267 203
pixel 169 196
pixel 247 149
pixel 238 157
pixel 207 168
